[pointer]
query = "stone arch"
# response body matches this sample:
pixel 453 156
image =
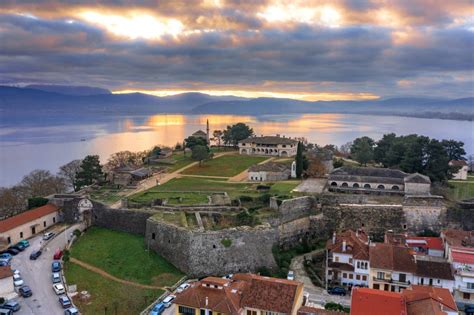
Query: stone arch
pixel 395 187
pixel 345 184
pixel 355 185
pixel 284 153
pixel 243 151
pixel 380 187
pixel 367 186
pixel 334 184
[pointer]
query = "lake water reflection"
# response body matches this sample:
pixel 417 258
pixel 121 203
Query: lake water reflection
pixel 48 147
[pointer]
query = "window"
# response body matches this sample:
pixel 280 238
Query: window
pixel 469 285
pixel 386 287
pixel 364 278
pixel 44 223
pixel 358 264
pixel 54 219
pixel 202 312
pixel 380 275
pixel 250 312
pixel 21 234
pixel 337 259
pixel 344 275
pixel 380 187
pixel 345 185
pixel 421 280
pixel 357 277
pixel 376 286
pixel 186 310
pixel 355 185
pixel 404 226
pixel 431 281
pixel 153 236
pixel 395 187
pixel 334 184
pixel 402 277
pixel 329 272
pixel 350 261
pixel 351 276
pixel 9 240
pixel 466 296
pixel 367 186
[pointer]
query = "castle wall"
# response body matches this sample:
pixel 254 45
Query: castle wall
pixel 130 221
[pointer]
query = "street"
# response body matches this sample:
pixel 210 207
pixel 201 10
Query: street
pixel 37 275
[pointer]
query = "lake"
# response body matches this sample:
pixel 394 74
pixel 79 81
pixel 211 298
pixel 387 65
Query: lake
pixel 25 147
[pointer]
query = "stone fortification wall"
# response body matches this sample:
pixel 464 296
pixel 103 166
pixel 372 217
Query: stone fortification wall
pixel 296 208
pixel 328 199
pixel 198 208
pixel 419 218
pixel 213 252
pixel 125 220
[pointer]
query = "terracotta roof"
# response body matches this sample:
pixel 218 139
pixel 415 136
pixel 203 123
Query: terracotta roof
pixel 463 257
pixel 422 300
pixel 458 163
pixel 356 244
pixel 375 302
pixel 27 216
pixel 307 310
pixel 269 140
pixel 392 257
pixel 5 272
pixel 243 290
pixel 434 269
pixel 269 167
pixel 425 242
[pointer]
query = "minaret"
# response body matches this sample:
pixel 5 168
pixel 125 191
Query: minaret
pixel 207 132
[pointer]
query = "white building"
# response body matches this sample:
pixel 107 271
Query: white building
pixel 434 271
pixel 461 174
pixel 269 172
pixel 28 223
pixel 348 259
pixel 269 145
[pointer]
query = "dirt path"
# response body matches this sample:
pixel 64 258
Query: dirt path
pixel 110 277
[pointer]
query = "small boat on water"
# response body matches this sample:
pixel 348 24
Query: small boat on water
pixel 83 139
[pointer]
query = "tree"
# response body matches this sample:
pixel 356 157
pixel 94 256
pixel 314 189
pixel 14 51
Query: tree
pixel 41 183
pixel 200 153
pixel 437 167
pixel 191 142
pixel 12 201
pixel 383 146
pixel 299 160
pixel 91 172
pixel 316 167
pixel 35 202
pixel 454 149
pixel 127 158
pixel 362 150
pixel 68 172
pixel 345 149
pixel 217 134
pixel 235 133
pixel 336 163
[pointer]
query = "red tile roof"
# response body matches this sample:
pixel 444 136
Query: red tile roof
pixel 5 272
pixel 421 298
pixel 391 257
pixel 307 310
pixel 375 302
pixel 356 244
pixel 27 216
pixel 425 242
pixel 463 257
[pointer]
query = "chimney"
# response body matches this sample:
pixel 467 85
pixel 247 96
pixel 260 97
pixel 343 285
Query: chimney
pixel 334 238
pixel 344 245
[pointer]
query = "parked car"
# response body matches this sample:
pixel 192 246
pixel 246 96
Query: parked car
pixel 17 281
pixel 12 251
pixel 16 271
pixel 7 260
pixel 24 243
pixel 4 263
pixel 25 291
pixel 48 236
pixel 182 287
pixel 158 309
pixel 71 311
pixel 11 305
pixel 65 302
pixel 5 311
pixel 337 291
pixel 168 300
pixel 5 255
pixel 58 254
pixel 469 310
pixel 35 254
pixel 58 288
pixel 56 266
pixel 19 248
pixel 56 277
pixel 291 275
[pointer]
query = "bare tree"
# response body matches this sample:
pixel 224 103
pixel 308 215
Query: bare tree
pixel 12 201
pixel 68 172
pixel 42 183
pixel 125 158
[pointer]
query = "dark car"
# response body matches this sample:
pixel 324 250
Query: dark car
pixel 35 254
pixel 12 251
pixel 469 310
pixel 25 291
pixel 56 266
pixel 19 246
pixel 337 291
pixel 4 263
pixel 12 305
pixel 65 302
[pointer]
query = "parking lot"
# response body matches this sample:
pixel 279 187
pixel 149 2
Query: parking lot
pixel 37 275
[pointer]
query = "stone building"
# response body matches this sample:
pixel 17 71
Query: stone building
pixel 377 180
pixel 269 172
pixel 203 135
pixel 269 145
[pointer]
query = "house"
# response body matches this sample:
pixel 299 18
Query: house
pixel 269 172
pixel 392 267
pixel 461 174
pixel 7 289
pixel 29 223
pixel 247 294
pixel 377 180
pixel 434 271
pixel 347 256
pixel 459 251
pixel 127 175
pixel 417 300
pixel 432 246
pixel 268 145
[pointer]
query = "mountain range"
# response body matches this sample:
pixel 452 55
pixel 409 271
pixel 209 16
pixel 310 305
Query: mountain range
pixel 90 101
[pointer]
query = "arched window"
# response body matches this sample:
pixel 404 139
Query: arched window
pixel 355 185
pixel 367 186
pixel 380 187
pixel 345 185
pixel 395 187
pixel 334 184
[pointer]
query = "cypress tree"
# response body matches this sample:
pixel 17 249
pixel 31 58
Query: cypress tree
pixel 299 160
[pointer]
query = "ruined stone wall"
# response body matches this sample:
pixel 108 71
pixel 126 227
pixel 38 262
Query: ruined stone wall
pixel 419 218
pixel 125 220
pixel 199 253
pixel 296 208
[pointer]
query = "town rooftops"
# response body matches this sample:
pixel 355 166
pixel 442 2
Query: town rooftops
pixel 269 140
pixel 425 242
pixel 368 174
pixel 350 242
pixel 392 257
pixel 5 272
pixel 269 167
pixel 308 310
pixel 417 178
pixel 428 268
pixel 463 257
pixel 27 216
pixel 375 302
pixel 423 300
pixel 229 296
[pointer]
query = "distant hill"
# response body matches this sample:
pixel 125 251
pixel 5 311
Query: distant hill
pixel 69 89
pixel 28 101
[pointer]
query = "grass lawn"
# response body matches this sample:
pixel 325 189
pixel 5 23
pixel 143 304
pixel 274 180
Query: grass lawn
pixel 107 293
pixel 462 189
pixel 181 198
pixel 285 187
pixel 123 255
pixel 227 165
pixel 107 195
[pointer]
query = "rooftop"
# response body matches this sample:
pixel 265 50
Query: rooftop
pixel 269 140
pixel 421 300
pixel 425 242
pixel 434 269
pixel 459 163
pixel 463 257
pixel 356 244
pixel 459 238
pixel 27 216
pixel 367 174
pixel 199 133
pixel 392 257
pixel 374 302
pixel 269 167
pixel 417 178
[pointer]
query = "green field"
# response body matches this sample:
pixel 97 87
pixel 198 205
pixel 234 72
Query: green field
pixel 107 293
pixel 181 198
pixel 462 189
pixel 226 166
pixel 124 256
pixel 107 194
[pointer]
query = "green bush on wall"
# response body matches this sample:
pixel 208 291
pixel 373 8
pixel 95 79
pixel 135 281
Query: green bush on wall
pixel 226 242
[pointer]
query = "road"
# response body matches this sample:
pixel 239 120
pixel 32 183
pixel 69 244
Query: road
pixel 37 275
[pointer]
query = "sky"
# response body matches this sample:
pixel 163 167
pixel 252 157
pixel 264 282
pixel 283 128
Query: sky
pixel 310 50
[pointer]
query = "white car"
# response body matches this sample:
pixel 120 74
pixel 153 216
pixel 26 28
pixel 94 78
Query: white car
pixel 168 300
pixel 56 277
pixel 16 272
pixel 47 236
pixel 182 287
pixel 58 288
pixel 291 275
pixel 17 280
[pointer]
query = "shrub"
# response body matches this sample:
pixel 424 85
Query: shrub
pixel 245 198
pixel 77 232
pixel 35 202
pixel 265 198
pixel 264 271
pixel 2 300
pixel 333 306
pixel 263 187
pixel 226 242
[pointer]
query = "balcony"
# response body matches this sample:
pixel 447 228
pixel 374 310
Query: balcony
pixel 465 289
pixel 407 282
